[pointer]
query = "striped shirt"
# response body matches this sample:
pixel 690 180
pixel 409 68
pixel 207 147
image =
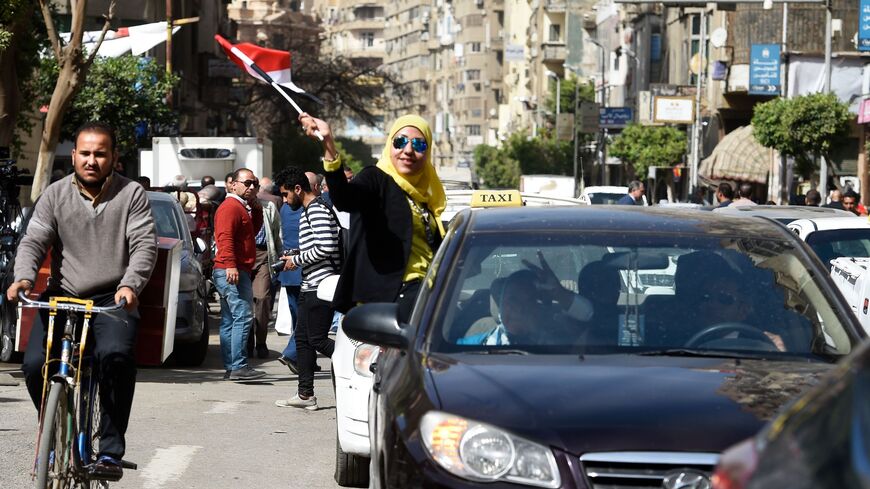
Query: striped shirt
pixel 319 255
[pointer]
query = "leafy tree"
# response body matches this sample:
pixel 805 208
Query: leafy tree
pixel 127 92
pixel 804 127
pixel 73 65
pixel 495 168
pixel 645 146
pixel 585 93
pixel 19 44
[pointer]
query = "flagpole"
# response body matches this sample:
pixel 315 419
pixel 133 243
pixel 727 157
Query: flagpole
pixel 268 79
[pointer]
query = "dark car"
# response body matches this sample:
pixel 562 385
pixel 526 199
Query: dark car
pixel 191 323
pixel 595 347
pixel 822 440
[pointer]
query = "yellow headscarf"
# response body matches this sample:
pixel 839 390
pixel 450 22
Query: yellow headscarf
pixel 424 188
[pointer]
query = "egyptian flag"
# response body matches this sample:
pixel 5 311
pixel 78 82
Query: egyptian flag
pixel 276 64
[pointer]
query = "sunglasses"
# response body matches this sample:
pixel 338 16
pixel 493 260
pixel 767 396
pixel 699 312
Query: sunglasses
pixel 249 183
pixel 417 144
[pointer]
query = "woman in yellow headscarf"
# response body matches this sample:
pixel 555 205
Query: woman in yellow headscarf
pixel 395 209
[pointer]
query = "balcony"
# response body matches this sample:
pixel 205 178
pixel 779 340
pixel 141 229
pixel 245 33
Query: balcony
pixel 374 24
pixel 555 5
pixel 555 54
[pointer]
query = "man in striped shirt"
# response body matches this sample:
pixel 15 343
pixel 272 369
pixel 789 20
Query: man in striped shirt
pixel 319 256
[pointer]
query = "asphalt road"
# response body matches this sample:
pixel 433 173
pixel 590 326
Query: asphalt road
pixel 191 429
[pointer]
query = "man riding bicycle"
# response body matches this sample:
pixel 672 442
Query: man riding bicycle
pixel 99 229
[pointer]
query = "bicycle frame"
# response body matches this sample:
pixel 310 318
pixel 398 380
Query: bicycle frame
pixel 77 450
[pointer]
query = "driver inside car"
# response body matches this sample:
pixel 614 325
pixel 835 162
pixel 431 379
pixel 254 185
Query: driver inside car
pixel 710 295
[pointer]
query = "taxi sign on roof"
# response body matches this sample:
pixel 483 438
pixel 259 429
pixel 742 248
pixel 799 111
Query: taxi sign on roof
pixel 496 198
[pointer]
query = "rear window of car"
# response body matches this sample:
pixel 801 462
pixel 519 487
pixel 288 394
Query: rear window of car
pixel 837 243
pixel 627 292
pixel 165 219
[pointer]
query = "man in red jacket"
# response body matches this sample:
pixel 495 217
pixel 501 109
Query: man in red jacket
pixel 235 225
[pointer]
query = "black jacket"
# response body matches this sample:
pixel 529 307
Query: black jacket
pixel 379 238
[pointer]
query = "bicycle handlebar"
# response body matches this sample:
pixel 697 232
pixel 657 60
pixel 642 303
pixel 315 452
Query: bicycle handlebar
pixel 62 306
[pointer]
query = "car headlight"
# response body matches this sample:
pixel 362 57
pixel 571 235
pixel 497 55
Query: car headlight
pixel 363 357
pixel 481 452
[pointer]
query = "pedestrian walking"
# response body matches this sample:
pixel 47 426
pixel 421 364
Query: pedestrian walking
pixel 634 195
pixel 269 246
pixel 236 220
pixel 319 258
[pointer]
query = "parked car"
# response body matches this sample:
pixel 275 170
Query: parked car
pixel 503 378
pixel 819 441
pixel 832 238
pixel 191 324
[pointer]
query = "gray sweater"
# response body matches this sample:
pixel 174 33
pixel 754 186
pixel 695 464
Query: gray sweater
pixel 93 250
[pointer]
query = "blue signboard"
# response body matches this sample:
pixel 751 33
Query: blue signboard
pixel 864 26
pixel 614 116
pixel 764 69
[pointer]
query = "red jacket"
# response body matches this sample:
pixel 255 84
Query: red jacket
pixel 234 232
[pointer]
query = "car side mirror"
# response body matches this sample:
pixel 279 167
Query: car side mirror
pixel 199 246
pixel 377 324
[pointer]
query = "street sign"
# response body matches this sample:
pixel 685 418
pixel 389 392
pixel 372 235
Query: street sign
pixel 614 116
pixel 588 118
pixel 565 127
pixel 514 52
pixel 764 69
pixel 676 110
pixel 864 26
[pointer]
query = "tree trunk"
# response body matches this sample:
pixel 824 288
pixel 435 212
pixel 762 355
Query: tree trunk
pixel 70 78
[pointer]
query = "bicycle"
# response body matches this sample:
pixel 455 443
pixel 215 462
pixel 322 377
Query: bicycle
pixel 69 420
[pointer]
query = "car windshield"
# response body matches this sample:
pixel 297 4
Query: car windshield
pixel 630 293
pixel 604 198
pixel 837 243
pixel 165 219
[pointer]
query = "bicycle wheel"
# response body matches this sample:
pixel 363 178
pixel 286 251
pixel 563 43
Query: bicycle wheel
pixel 90 427
pixel 54 442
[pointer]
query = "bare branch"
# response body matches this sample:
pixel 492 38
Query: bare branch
pixel 106 24
pixel 49 26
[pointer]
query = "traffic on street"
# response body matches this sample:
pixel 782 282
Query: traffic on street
pixel 562 244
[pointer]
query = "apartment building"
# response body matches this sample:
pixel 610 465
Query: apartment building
pixel 354 30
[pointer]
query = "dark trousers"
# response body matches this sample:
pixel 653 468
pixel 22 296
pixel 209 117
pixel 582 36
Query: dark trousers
pixel 113 338
pixel 312 336
pixel 406 299
pixel 263 299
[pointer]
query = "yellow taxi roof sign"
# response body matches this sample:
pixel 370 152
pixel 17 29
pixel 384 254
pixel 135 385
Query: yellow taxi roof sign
pixel 496 198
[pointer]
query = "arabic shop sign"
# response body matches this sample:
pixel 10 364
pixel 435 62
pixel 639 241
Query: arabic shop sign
pixel 864 26
pixel 764 69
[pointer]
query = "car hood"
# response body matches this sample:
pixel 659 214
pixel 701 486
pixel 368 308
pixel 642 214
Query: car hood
pixel 620 402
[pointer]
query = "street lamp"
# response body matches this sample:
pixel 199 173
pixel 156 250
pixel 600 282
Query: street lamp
pixel 602 134
pixel 550 74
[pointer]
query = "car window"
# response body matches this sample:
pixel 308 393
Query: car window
pixel 618 292
pixel 165 219
pixel 605 198
pixel 836 243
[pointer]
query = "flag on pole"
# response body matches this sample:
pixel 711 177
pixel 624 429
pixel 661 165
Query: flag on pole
pixel 137 39
pixel 275 63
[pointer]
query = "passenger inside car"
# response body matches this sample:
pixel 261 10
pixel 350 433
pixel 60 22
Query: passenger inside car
pixel 522 315
pixel 600 283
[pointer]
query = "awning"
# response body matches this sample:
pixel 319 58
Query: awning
pixel 738 157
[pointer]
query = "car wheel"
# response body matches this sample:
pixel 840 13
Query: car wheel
pixel 194 354
pixel 7 341
pixel 350 470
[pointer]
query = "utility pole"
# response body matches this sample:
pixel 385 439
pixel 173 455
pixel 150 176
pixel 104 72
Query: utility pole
pixel 696 127
pixel 823 179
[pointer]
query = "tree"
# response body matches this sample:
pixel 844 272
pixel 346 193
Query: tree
pixel 18 54
pixel 495 168
pixel 804 127
pixel 645 146
pixel 73 68
pixel 585 93
pixel 127 92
